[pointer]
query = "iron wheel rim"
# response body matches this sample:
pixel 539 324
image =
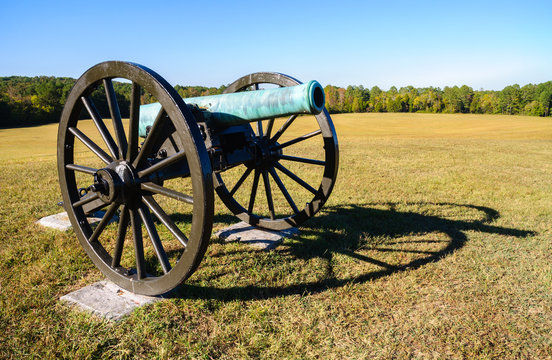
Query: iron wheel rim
pixel 137 281
pixel 331 164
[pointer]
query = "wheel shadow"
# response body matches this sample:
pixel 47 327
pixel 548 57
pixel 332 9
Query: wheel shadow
pixel 380 228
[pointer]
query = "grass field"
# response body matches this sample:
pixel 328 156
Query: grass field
pixel 436 243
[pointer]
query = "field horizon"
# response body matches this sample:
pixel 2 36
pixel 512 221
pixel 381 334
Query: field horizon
pixel 386 125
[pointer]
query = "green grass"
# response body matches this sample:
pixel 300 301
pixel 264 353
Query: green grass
pixel 436 243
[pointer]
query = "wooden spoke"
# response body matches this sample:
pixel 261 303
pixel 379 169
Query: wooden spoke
pixel 299 139
pixel 268 191
pixel 82 169
pixel 115 117
pixel 302 160
pixel 165 219
pixel 241 180
pixel 260 128
pixel 269 128
pixel 138 244
pixel 162 164
pixel 296 178
pixel 121 233
pixel 100 125
pixel 155 240
pixel 157 189
pixel 283 190
pixel 91 145
pixel 254 191
pixel 85 200
pixel 105 220
pixel 133 123
pixel 283 128
pixel 155 133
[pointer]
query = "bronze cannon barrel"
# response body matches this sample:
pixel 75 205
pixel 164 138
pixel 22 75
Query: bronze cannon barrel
pixel 222 111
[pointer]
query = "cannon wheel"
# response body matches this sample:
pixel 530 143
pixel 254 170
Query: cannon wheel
pixel 130 180
pixel 295 216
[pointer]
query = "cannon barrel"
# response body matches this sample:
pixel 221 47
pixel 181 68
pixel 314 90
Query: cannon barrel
pixel 222 111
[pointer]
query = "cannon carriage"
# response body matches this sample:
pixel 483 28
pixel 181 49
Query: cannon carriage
pixel 158 171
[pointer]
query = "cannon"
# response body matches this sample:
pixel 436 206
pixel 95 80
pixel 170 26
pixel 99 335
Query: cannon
pixel 157 172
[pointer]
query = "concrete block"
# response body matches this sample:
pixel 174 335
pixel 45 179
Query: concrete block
pixel 61 221
pixel 257 238
pixel 107 300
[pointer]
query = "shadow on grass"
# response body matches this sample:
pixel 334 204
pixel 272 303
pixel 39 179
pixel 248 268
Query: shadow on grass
pixel 345 229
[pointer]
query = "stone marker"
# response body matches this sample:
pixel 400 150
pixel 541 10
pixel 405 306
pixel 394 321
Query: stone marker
pixel 257 238
pixel 61 221
pixel 107 300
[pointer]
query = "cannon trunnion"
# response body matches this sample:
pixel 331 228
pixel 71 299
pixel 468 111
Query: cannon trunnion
pixel 271 155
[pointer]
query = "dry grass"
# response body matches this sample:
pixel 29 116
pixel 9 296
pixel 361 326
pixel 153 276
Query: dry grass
pixel 434 244
pixel 445 126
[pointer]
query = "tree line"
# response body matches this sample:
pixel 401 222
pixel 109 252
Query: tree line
pixel 39 100
pixel 530 99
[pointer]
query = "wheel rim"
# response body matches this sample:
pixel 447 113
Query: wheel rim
pixel 133 180
pixel 269 170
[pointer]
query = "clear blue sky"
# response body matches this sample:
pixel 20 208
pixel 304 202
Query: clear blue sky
pixel 483 44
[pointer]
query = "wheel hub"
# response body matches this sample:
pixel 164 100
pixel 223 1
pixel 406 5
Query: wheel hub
pixel 265 155
pixel 116 183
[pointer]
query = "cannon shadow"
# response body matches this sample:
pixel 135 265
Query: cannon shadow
pixel 344 229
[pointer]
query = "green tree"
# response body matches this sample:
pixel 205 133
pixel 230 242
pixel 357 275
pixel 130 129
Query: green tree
pixel 465 96
pixel 509 99
pixel 545 97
